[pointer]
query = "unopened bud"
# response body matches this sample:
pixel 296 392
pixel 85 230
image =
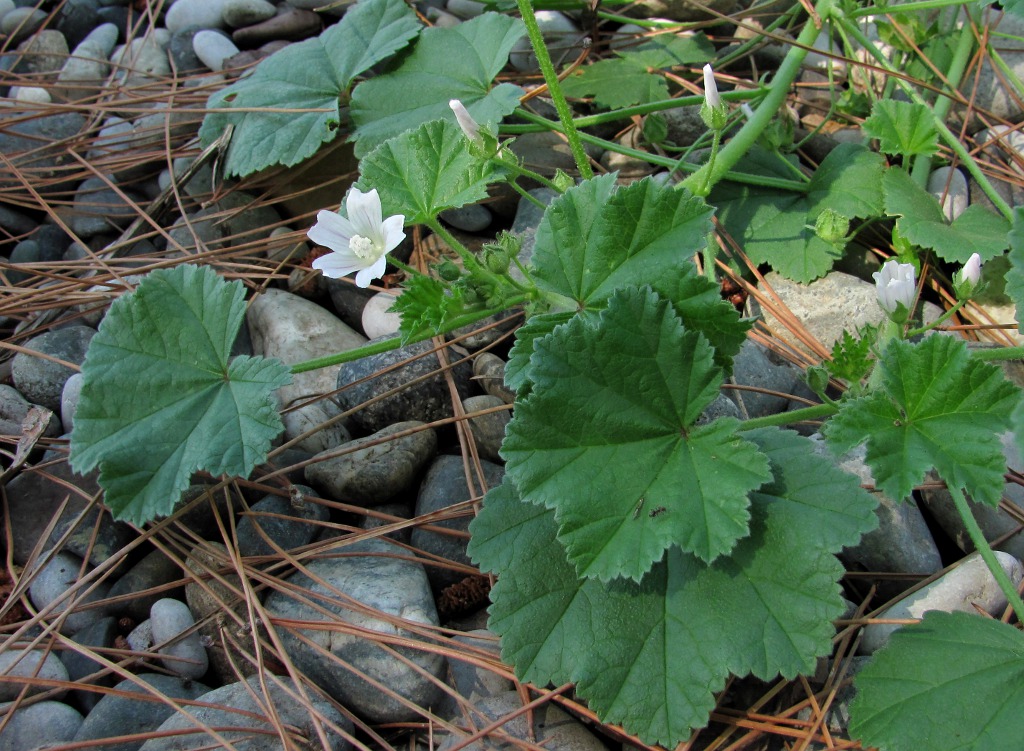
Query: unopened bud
pixel 967 279
pixel 466 122
pixel 831 226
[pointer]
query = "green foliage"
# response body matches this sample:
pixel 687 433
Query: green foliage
pixel 630 78
pixel 1015 275
pixel 615 399
pixel 457 63
pixel 921 221
pixel 425 170
pixel 953 682
pixel 851 355
pixel 776 227
pixel 935 407
pixel 427 304
pixel 309 76
pixel 162 398
pixel 902 128
pixel 650 655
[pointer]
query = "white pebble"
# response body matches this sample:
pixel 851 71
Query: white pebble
pixel 213 49
pixel 376 320
pixel 186 655
pixel 34 94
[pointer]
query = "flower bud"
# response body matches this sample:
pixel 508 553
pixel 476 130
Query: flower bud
pixel 831 226
pixel 714 114
pixel 711 88
pixel 967 279
pixel 896 288
pixel 466 122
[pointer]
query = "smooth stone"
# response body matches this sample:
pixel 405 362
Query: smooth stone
pixel 85 71
pixel 140 638
pixel 143 59
pixel 445 485
pixel 29 664
pixel 965 589
pixel 759 367
pixel 378 575
pixel 293 329
pixel 69 397
pixel 421 388
pixel 627 167
pixel 488 430
pixel 465 8
pixel 287 523
pixel 470 681
pixel 208 593
pixel 489 373
pixel 213 48
pixel 201 14
pixel 21 23
pixel 472 217
pixel 442 19
pixel 318 426
pixel 544 152
pixel 39 726
pixel 41 381
pixel 564 42
pixel 685 125
pixel 15 409
pixel 100 635
pixel 186 656
pixel 238 13
pixel 30 95
pixel 76 18
pixel 99 208
pixel 37 146
pixel 183 53
pixel 243 705
pixel 146 582
pixel 524 225
pixel 949 186
pixel 115 716
pixel 52 582
pixel 378 320
pixel 6 6
pixel 377 473
pixel 402 511
pixel 230 221
pixel 16 222
pixel 290 24
pixel 44 55
pixel 987 89
pixel 546 726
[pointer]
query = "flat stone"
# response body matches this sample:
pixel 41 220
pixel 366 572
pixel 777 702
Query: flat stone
pixel 472 217
pixel 489 429
pixel 291 24
pixel 29 664
pixel 99 635
pixel 15 409
pixel 369 573
pixel 238 13
pixel 185 655
pixel 21 23
pixel 143 59
pixel 213 48
pixel 564 42
pixel 41 380
pixel 39 726
pixel 377 473
pixel 154 572
pixel 489 372
pixel 949 186
pixel 52 582
pixel 275 523
pixel 378 320
pixel 200 14
pixel 99 208
pixel 469 680
pixel 36 146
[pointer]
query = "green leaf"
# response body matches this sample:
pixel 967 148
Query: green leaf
pixel 617 83
pixel 650 655
pixel 775 227
pixel 953 682
pixel 615 398
pixel 162 398
pixel 1015 276
pixel 456 63
pixel 595 238
pixel 937 407
pixel 902 128
pixel 670 50
pixel 426 303
pixel 517 370
pixel 309 76
pixel 976 230
pixel 426 170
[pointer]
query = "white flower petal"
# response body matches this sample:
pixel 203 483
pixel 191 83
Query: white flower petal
pixel 331 230
pixel 393 232
pixel 337 265
pixel 364 212
pixel 365 276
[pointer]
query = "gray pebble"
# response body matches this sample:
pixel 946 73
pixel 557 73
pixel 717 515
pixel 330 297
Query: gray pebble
pixel 472 217
pixel 15 222
pixel 378 575
pixel 213 48
pixel 14 410
pixel 290 23
pixel 318 424
pixel 949 186
pixel 563 38
pixel 99 208
pixel 69 397
pixel 41 380
pixel 280 523
pixel 238 13
pixel 99 635
pixel 39 726
pixel 470 681
pixel 186 655
pixel 202 14
pixel 377 473
pixel 21 23
pixel 488 430
pixel 37 145
pixel 53 581
pixel 465 8
pixel 377 319
pixel 489 373
pixel 143 59
pixel 26 663
pixel 757 366
pixel 153 572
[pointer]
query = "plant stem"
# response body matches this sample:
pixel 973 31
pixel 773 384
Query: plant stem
pixel 528 173
pixel 938 321
pixel 554 88
pixel 983 548
pixel 788 418
pixel 741 143
pixel 873 10
pixel 1002 353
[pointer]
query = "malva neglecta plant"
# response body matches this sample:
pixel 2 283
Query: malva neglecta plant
pixel 641 551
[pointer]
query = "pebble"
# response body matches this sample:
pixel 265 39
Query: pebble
pixel 544 152
pixel 682 10
pixel 377 473
pixel 30 94
pixel 488 430
pixel 213 47
pixel 287 523
pixel 987 89
pixel 427 399
pixel 183 53
pixel 563 38
pixel 378 320
pixel 290 24
pixel 69 397
pixel 757 366
pixel 115 715
pixel 186 656
pixel 140 638
pixel 465 8
pixel 153 572
pixel 99 208
pixel 949 186
pixel 99 635
pixel 143 59
pixel 469 680
pixel 15 222
pixel 524 224
pixel 37 145
pixel 472 217
pixel 369 573
pixel 14 409
pixel 20 23
pixel 26 663
pixel 44 54
pixel 242 705
pixel 39 726
pixel 965 589
pixel 52 582
pixel 445 485
pixel 76 18
pixel 685 125
pixel 238 13
pixel 200 14
pixel 41 381
pixel 489 373
pixel 85 71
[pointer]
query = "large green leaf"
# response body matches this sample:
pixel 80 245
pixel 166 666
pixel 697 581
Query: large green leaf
pixel 615 398
pixel 447 63
pixel 426 170
pixel 162 398
pixel 776 227
pixel 902 128
pixel 288 107
pixel 650 655
pixel 595 238
pixel 953 682
pixel 976 230
pixel 1015 276
pixel 936 407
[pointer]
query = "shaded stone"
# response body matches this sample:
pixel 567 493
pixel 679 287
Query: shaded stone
pixel 99 635
pixel 35 148
pixel 39 726
pixel 280 523
pixel 41 380
pixel 29 664
pixel 488 430
pixel 153 572
pixel 470 681
pixel 52 582
pixel 181 650
pixel 489 372
pixel 291 24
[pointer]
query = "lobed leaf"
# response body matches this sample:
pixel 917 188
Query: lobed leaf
pixel 615 398
pixel 902 128
pixel 954 681
pixel 651 654
pixel 937 407
pixel 162 398
pixel 1015 276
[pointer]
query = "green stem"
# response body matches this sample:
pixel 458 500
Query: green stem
pixel 1002 353
pixel 983 548
pixel 742 142
pixel 874 10
pixel 938 321
pixel 788 418
pixel 375 348
pixel 524 172
pixel 554 88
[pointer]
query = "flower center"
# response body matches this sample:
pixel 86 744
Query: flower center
pixel 363 247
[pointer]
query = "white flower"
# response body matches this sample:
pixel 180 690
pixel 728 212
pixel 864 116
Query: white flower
pixel 465 120
pixel 895 286
pixel 971 272
pixel 361 242
pixel 711 88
